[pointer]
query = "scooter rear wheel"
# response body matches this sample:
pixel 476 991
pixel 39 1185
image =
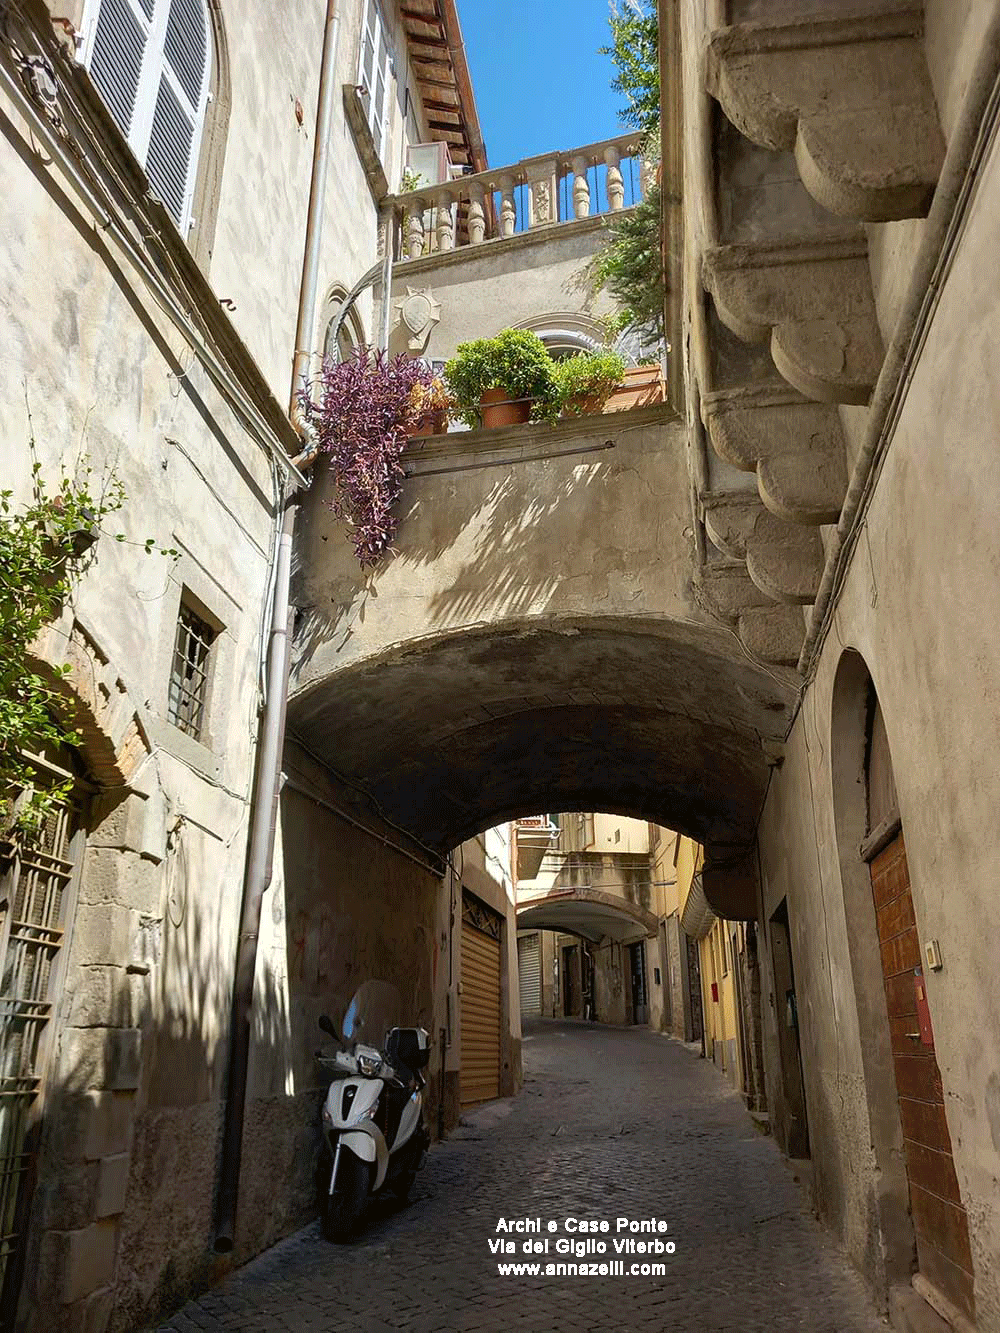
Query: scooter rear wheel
pixel 342 1210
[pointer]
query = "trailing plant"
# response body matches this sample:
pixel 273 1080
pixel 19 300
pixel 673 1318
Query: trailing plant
pixel 42 549
pixel 362 411
pixel 634 50
pixel 630 267
pixel 411 180
pixel 516 361
pixel 586 381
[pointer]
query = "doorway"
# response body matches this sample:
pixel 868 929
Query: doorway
pixel 791 1124
pixel 939 1218
pixel 637 977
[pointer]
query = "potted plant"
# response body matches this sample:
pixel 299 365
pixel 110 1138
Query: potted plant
pixel 502 381
pixel 429 405
pixel 586 381
pixel 362 411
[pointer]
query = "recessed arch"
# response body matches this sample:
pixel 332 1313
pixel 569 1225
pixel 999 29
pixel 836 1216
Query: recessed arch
pixel 341 332
pixel 642 716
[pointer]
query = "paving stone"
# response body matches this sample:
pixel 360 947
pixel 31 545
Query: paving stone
pixel 750 1256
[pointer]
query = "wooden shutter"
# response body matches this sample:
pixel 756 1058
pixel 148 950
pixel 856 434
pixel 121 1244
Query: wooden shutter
pixel 529 973
pixel 150 60
pixel 171 156
pixel 480 1006
pixel 120 34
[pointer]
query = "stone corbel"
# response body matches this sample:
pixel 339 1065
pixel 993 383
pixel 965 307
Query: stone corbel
pixel 773 634
pixel 796 448
pixel 784 560
pixel 726 593
pixel 851 97
pixel 729 882
pixel 813 300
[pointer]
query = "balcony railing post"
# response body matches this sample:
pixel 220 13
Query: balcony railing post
pixel 581 187
pixel 616 182
pixel 477 215
pixel 427 218
pixel 508 208
pixel 445 222
pixel 414 230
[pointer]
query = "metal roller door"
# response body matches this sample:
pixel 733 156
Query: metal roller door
pixel 481 928
pixel 529 974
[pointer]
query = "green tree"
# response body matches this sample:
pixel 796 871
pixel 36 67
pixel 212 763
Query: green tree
pixel 634 50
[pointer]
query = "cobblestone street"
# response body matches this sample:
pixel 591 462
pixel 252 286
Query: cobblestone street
pixel 611 1122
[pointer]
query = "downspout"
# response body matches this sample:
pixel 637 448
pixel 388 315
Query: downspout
pixel 267 779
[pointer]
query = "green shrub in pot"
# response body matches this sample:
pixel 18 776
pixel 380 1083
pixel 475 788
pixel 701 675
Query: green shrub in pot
pixel 586 381
pixel 515 361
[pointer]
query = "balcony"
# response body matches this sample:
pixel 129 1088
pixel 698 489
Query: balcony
pixel 538 193
pixel 534 835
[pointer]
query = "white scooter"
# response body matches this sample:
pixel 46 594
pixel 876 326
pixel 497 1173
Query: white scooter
pixel 372 1115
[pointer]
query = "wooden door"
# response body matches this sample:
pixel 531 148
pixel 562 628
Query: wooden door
pixel 939 1219
pixel 480 1007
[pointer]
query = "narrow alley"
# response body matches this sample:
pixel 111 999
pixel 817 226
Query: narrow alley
pixel 612 1122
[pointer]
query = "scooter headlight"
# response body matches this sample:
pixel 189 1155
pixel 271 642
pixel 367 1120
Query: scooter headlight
pixel 369 1065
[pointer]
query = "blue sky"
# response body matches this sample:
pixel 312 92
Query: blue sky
pixel 540 84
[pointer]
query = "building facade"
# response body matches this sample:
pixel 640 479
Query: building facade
pixel 761 612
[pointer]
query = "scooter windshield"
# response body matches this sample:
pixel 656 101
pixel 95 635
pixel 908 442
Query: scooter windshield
pixel 375 1009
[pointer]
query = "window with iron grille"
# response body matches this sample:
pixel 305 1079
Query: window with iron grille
pixel 189 672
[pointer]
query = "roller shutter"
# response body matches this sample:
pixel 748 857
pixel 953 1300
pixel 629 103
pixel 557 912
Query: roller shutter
pixel 529 973
pixel 480 1002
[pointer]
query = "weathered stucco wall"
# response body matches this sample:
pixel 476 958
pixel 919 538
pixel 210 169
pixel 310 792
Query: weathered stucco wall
pixel 920 605
pixel 502 284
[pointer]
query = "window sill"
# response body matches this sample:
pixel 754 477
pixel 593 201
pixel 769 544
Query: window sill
pixel 364 143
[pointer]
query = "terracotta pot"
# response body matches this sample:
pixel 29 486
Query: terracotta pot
pixel 435 423
pixel 584 406
pixel 497 409
pixel 644 387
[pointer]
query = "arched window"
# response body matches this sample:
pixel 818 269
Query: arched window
pixel 343 332
pixel 151 61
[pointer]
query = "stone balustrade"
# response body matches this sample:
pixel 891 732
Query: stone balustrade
pixel 543 191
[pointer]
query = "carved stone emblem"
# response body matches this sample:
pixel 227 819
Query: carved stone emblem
pixel 418 312
pixel 540 195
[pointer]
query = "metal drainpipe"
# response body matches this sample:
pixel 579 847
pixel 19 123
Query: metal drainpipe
pixel 267 781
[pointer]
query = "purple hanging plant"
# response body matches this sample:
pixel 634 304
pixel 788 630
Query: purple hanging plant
pixel 362 411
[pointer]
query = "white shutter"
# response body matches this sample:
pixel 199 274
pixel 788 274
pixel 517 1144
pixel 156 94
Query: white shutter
pixel 376 71
pixel 117 44
pixel 175 131
pixel 151 61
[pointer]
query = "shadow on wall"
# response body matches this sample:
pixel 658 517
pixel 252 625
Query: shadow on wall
pixel 484 542
pixel 122 1214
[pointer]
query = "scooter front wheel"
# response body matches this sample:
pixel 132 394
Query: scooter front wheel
pixel 343 1208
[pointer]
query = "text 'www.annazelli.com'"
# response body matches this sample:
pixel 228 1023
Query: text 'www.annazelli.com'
pixel 613 1268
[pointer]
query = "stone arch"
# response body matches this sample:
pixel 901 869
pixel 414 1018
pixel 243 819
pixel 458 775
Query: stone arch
pixel 585 912
pixel 339 327
pixel 639 716
pixel 98 704
pixel 566 332
pixel 853 692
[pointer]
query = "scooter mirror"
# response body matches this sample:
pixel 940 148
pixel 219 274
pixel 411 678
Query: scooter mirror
pixel 326 1025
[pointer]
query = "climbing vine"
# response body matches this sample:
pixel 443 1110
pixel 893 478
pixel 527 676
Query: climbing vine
pixel 43 548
